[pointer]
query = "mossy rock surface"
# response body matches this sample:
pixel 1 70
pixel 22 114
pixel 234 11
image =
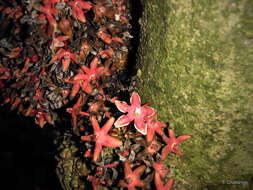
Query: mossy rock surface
pixel 195 66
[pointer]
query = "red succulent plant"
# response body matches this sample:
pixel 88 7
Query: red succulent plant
pixel 93 72
pixel 154 126
pixel 107 38
pixel 152 147
pixel 49 11
pixel 58 42
pixel 172 143
pixel 42 118
pixel 85 76
pixel 132 178
pixel 5 72
pixel 79 8
pixel 75 111
pixel 79 81
pixel 67 56
pixel 101 137
pixel 161 169
pixel 159 184
pixel 14 52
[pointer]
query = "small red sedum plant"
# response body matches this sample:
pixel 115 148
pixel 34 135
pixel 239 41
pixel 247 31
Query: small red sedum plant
pixel 139 166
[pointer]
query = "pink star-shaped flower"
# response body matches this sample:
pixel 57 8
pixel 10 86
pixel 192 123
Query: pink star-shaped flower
pixel 101 137
pixel 135 112
pixel 78 6
pixel 159 184
pixel 132 178
pixel 172 144
pixel 154 126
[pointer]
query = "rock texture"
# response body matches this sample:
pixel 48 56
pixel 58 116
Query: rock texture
pixel 195 64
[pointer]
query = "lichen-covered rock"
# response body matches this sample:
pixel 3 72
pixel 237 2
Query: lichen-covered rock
pixel 70 167
pixel 195 66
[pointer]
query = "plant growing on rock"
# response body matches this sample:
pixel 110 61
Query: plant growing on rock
pixel 77 68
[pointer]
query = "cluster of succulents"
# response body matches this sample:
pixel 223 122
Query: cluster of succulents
pixel 127 153
pixel 67 54
pixel 58 50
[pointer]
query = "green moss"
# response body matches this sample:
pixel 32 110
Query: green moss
pixel 195 67
pixel 70 167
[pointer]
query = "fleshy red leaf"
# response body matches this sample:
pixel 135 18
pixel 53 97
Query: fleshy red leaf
pixel 111 142
pixel 97 151
pixel 166 150
pixel 108 125
pixel 182 138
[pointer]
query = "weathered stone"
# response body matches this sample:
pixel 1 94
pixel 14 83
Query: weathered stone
pixel 196 68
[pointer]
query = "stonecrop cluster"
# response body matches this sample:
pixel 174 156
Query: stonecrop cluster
pixel 141 152
pixel 69 55
pixel 55 50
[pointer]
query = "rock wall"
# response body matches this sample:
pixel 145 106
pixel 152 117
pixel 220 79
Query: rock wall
pixel 195 66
